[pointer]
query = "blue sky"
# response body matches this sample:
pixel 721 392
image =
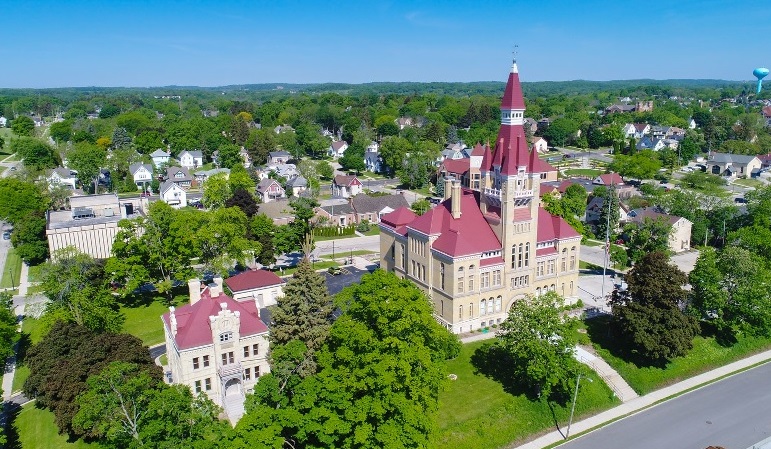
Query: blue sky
pixel 210 43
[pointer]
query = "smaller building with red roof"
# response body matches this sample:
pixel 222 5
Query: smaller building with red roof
pixel 216 345
pixel 261 286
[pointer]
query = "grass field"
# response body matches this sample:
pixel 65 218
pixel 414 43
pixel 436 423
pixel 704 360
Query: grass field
pixel 35 273
pixel 588 172
pixel 317 238
pixel 477 412
pixel 34 428
pixel 706 354
pixel 12 270
pixel 144 321
pixel 322 265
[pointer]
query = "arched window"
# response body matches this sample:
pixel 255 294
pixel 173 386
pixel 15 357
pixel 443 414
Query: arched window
pixel 538 291
pixel 441 275
pixel 513 256
pixel 498 302
pixel 527 254
pixel 519 256
pixel 490 306
pixel 483 307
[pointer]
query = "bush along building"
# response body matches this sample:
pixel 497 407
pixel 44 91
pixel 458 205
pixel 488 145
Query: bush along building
pixel 480 250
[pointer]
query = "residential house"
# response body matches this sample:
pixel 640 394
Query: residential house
pixel 336 214
pixel 372 161
pixel 404 122
pixel 142 174
pixel 270 190
pixel 173 195
pixel 217 346
pixel 478 252
pixel 283 129
pixel 337 149
pixel 203 175
pixel 641 129
pixel 732 165
pixel 454 151
pixel 650 143
pixel 372 208
pixel 286 171
pixel 530 125
pixel 160 157
pixel 180 176
pixel 297 185
pixel 261 286
pixel 539 145
pixel 90 225
pixel 61 176
pixel 278 157
pixel 679 236
pixel 191 159
pixel 344 186
pixel 766 112
pixel 629 130
pixel 543 124
pixel 640 106
pixel 608 179
pixel 457 169
pixel 558 187
pixel 3 122
pixel 246 157
pixel 691 123
pixel 594 210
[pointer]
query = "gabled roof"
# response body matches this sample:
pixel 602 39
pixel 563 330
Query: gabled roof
pixel 133 168
pixel 478 150
pixel 640 127
pixel 345 180
pixel 171 171
pixel 194 326
pixel 193 153
pixel 339 144
pixel 62 172
pixel 399 218
pixel 338 209
pixel 639 215
pixel 279 154
pixel 766 111
pixel 512 96
pixel 266 183
pixel 252 279
pixel 167 185
pixel 609 178
pixel 365 204
pixel 159 153
pixel 552 227
pixel 722 158
pixel 297 181
pixel 458 166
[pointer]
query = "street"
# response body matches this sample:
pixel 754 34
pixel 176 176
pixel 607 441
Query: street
pixel 734 413
pixel 343 246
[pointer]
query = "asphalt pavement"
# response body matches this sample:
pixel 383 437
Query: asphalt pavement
pixel 734 413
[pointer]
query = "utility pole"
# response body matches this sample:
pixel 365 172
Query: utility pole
pixel 573 408
pixel 607 243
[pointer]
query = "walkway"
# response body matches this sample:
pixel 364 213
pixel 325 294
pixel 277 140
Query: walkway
pixel 649 400
pixel 620 388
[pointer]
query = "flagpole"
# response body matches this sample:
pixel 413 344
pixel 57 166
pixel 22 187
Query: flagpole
pixel 607 241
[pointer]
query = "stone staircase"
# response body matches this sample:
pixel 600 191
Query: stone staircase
pixel 620 388
pixel 234 407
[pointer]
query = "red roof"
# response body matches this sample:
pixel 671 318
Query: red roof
pixel 640 127
pixel 338 144
pixel 458 166
pixel 491 261
pixel 541 252
pixel 512 96
pixel 552 227
pixel 611 178
pixel 767 111
pixel 194 327
pixel 487 159
pixel 478 150
pixel 399 217
pixel 469 234
pixel 252 279
pixel 344 180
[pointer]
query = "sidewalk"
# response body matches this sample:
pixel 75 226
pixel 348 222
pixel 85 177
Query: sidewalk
pixel 649 400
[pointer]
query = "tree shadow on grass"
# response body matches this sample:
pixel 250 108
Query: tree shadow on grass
pixel 11 412
pixel 602 333
pixel 724 336
pixel 494 362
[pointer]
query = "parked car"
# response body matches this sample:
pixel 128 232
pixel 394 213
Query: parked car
pixel 334 271
pixel 740 200
pixel 7 235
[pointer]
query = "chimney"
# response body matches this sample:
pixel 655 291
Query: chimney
pixel 215 288
pixel 447 188
pixel 455 206
pixel 173 321
pixel 194 286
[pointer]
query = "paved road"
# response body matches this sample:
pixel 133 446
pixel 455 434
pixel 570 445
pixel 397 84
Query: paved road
pixel 734 413
pixel 343 246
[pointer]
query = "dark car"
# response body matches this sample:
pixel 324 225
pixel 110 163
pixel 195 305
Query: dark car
pixel 434 200
pixel 740 200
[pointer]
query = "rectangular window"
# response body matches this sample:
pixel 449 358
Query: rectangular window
pixel 227 358
pixel 471 283
pixel 246 351
pixel 226 336
pixel 197 386
pixel 257 371
pixel 460 285
pixel 498 304
pixel 207 384
pixel 497 277
pixel 205 361
pixel 460 311
pixel 255 349
pixel 195 362
pixel 572 262
pixel 484 281
pixel 247 373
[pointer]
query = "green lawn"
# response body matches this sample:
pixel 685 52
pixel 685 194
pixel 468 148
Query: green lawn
pixel 12 270
pixel 32 332
pixel 317 238
pixel 373 230
pixel 749 183
pixel 144 321
pixel 35 429
pixel 359 252
pixel 35 273
pixel 476 412
pixel 323 265
pixel 588 172
pixel 592 243
pixel 7 135
pixel 706 354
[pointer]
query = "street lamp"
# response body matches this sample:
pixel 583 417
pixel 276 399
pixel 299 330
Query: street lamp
pixel 573 408
pixel 13 282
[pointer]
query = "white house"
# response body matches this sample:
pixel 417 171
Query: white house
pixel 297 185
pixel 191 159
pixel 278 157
pixel 160 157
pixel 142 173
pixel 3 122
pixel 344 186
pixel 217 346
pixel 245 157
pixel 173 195
pixel 337 149
pixel 540 145
pixel 270 190
pixel 261 286
pixel 61 176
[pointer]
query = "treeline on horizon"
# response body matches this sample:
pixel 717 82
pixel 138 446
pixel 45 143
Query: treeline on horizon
pixel 697 88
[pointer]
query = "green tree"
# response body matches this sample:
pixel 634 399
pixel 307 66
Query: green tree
pixel 652 235
pixel 561 131
pixel 61 131
pixel 37 155
pixel 216 191
pixel 647 316
pixel 393 150
pixel 23 126
pixel 239 179
pixel 243 200
pixel 641 165
pixel 325 170
pixel 263 228
pixel 20 198
pixel 421 206
pixel 29 238
pixel 415 170
pixel 222 239
pixel 75 284
pixel 87 159
pixel 353 158
pixel 539 341
pixel 609 214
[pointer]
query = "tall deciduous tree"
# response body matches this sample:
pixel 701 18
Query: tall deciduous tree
pixel 648 314
pixel 539 341
pixel 216 191
pixel 652 235
pixel 609 214
pixel 23 126
pixel 87 159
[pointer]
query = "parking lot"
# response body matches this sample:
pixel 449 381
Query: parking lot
pixel 350 275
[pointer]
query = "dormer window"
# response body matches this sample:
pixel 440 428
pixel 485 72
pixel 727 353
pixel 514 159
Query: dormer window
pixel 226 336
